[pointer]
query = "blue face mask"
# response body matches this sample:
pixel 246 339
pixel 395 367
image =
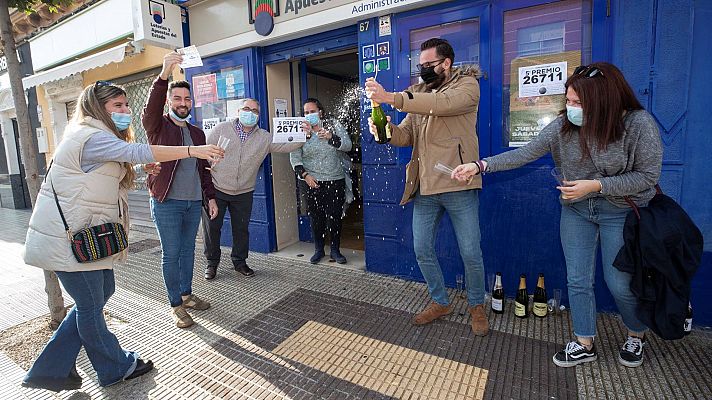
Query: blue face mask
pixel 247 118
pixel 313 119
pixel 176 117
pixel 121 120
pixel 575 115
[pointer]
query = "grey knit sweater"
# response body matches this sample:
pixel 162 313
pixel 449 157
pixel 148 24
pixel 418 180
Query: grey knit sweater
pixel 320 158
pixel 628 167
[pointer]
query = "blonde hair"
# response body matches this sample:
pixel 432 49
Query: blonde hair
pixel 91 103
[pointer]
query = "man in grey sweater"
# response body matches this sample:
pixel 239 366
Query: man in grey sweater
pixel 234 179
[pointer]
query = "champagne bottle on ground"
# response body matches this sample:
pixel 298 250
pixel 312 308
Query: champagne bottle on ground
pixel 521 302
pixel 498 295
pixel 383 129
pixel 540 306
pixel 688 319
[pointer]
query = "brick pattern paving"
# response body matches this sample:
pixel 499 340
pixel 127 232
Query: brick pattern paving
pixel 254 342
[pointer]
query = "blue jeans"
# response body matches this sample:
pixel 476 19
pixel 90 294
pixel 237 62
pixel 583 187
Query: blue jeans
pixel 177 223
pixel 582 225
pixel 463 209
pixel 85 326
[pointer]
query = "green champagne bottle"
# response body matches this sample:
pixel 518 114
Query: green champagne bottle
pixel 383 129
pixel 540 306
pixel 521 302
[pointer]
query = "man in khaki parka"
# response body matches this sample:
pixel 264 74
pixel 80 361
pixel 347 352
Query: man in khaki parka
pixel 440 125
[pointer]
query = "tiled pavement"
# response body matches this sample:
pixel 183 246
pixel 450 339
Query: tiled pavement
pixel 307 332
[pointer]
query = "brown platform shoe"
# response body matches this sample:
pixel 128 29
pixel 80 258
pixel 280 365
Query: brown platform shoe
pixel 480 326
pixel 432 312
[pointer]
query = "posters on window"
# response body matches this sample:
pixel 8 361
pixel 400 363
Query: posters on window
pixel 231 84
pixel 532 106
pixel 205 89
pixel 210 123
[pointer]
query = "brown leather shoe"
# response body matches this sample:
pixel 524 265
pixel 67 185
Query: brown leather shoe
pixel 480 326
pixel 432 312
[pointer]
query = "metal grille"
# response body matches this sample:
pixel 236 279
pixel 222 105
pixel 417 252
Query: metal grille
pixel 137 94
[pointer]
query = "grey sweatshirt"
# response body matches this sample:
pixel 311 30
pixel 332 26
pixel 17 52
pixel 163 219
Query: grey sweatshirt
pixel 320 158
pixel 237 172
pixel 628 167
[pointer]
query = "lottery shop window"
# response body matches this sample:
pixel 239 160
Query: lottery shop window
pixel 542 46
pixel 217 94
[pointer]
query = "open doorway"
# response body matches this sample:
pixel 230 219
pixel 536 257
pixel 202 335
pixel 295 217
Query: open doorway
pixel 333 79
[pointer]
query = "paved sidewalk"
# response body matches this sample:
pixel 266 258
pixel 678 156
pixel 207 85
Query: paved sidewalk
pixel 299 331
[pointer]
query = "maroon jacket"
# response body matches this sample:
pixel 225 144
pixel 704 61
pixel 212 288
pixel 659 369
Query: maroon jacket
pixel 161 130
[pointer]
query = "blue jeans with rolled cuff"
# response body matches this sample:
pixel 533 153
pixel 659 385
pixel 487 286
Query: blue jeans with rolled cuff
pixel 177 223
pixel 584 225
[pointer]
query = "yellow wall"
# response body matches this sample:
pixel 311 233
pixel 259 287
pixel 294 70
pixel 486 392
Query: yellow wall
pixel 46 121
pixel 151 57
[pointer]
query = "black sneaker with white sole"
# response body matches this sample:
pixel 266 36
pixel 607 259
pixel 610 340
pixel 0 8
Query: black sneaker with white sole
pixel 631 355
pixel 574 354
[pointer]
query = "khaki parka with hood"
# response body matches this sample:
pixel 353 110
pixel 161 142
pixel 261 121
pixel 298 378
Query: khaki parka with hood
pixel 440 126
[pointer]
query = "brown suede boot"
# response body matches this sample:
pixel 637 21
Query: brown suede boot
pixel 432 312
pixel 480 326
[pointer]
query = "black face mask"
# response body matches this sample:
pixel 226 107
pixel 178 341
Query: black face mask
pixel 428 74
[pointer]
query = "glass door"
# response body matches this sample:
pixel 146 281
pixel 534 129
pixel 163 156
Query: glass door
pixel 465 27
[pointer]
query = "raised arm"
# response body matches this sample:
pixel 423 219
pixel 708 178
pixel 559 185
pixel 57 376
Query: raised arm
pixel 152 116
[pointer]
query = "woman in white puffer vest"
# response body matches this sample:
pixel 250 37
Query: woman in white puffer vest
pixel 92 171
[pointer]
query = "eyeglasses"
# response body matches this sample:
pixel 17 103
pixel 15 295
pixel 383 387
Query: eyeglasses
pixel 589 71
pixel 254 110
pixel 429 64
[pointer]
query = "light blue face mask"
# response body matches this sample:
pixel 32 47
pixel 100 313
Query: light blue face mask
pixel 247 118
pixel 313 119
pixel 575 115
pixel 121 120
pixel 176 117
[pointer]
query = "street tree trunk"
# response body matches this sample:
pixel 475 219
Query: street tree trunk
pixel 28 150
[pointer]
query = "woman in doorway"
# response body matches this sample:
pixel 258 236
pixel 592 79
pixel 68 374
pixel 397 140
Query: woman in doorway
pixel 93 171
pixel 608 150
pixel 318 165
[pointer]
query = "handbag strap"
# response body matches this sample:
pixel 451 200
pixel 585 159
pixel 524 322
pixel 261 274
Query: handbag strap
pixel 61 214
pixel 635 206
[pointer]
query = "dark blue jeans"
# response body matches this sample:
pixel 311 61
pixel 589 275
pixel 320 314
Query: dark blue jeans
pixel 85 326
pixel 463 209
pixel 177 223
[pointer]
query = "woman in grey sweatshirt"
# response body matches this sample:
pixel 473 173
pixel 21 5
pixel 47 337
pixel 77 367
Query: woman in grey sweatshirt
pixel 318 164
pixel 606 148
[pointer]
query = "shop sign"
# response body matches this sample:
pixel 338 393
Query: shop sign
pixel 157 23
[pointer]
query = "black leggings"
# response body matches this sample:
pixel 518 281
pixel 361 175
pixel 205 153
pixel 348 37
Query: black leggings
pixel 325 206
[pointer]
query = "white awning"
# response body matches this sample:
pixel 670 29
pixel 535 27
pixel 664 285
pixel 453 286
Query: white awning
pixel 114 54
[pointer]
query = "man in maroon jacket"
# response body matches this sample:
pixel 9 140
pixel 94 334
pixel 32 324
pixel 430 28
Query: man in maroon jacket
pixel 178 190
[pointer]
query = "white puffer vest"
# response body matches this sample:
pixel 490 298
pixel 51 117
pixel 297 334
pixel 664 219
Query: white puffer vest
pixel 87 199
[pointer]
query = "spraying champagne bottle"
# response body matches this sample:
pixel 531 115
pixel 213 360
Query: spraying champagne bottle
pixel 521 302
pixel 498 295
pixel 383 129
pixel 540 306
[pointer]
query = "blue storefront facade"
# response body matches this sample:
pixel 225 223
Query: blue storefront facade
pixel 661 46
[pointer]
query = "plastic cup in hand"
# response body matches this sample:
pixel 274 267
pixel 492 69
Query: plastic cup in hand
pixel 444 169
pixel 557 173
pixel 222 143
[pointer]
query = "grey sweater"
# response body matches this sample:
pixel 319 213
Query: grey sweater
pixel 628 167
pixel 237 172
pixel 320 158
